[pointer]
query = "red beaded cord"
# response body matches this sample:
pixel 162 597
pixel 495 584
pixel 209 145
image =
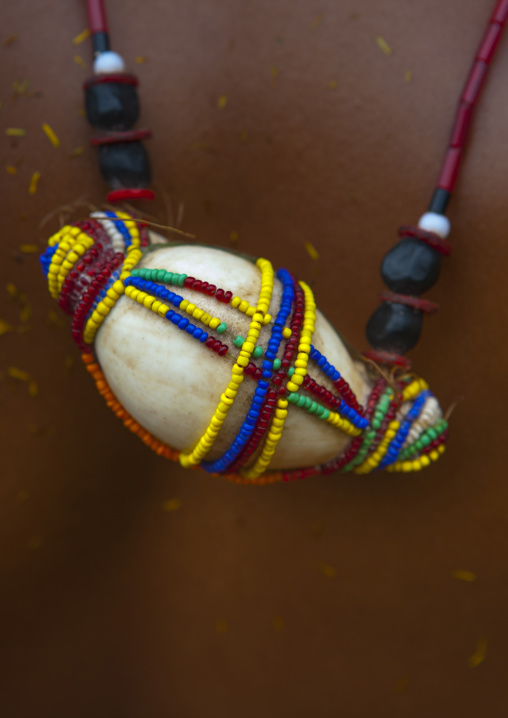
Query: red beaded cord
pixel 354 447
pixel 424 305
pixel 100 275
pixel 111 138
pixel 270 402
pixel 123 77
pixel 74 284
pixel 70 292
pixel 120 195
pixel 469 97
pixel 144 237
pixel 97 20
pixel 387 358
pixel 433 240
pixel 217 346
pixel 321 392
pixel 348 394
pixel 441 439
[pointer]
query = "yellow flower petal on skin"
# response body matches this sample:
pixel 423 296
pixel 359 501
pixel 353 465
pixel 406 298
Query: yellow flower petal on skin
pixel 50 134
pixel 172 505
pixel 316 22
pixel 463 575
pixel 81 37
pixel 34 182
pixel 79 61
pixel 480 654
pixel 311 250
pixel 383 45
pixel 16 373
pixel 4 327
pixel 328 570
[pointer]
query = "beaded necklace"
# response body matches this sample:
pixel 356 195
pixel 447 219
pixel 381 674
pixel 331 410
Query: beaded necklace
pixel 90 264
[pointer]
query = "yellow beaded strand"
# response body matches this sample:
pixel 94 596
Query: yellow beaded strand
pixel 66 239
pixel 199 314
pixel 205 443
pixel 412 390
pixel 157 306
pixel 277 423
pixel 273 438
pixel 82 243
pixel 343 424
pixel 372 461
pixel 132 226
pixel 420 463
pixel 248 309
pixel 104 307
pixel 302 358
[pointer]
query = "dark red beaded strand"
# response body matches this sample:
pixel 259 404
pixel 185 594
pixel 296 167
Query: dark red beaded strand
pixel 270 402
pixel 341 461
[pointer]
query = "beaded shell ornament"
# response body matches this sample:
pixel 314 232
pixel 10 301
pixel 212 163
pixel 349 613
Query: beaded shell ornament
pixel 109 270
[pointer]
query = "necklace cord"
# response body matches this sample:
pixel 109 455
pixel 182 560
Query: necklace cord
pixel 468 99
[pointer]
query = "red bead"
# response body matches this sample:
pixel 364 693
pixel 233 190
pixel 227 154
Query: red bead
pixel 124 136
pixel 461 125
pixel 189 282
pixel 223 350
pixel 500 12
pixel 474 82
pixel 119 195
pixel 227 297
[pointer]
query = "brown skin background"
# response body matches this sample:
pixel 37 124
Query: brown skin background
pixel 110 604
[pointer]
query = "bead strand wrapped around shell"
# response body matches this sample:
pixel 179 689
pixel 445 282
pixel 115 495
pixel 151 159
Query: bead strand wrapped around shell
pixel 219 362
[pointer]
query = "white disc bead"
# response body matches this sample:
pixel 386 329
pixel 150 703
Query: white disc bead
pixel 108 62
pixel 437 223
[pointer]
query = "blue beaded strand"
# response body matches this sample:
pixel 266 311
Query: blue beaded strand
pixel 392 453
pixel 119 224
pixel 344 409
pixel 224 462
pixel 100 295
pixel 156 290
pixel 46 257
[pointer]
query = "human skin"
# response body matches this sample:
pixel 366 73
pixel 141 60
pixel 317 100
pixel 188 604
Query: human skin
pixel 229 605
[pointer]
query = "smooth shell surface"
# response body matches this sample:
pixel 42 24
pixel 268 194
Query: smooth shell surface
pixel 171 383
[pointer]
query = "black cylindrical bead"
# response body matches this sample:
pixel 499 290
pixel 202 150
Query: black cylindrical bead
pixel 439 201
pixel 112 106
pixel 394 328
pixel 100 42
pixel 125 164
pixel 411 267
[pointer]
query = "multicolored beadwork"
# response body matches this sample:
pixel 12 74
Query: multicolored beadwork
pixel 90 265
